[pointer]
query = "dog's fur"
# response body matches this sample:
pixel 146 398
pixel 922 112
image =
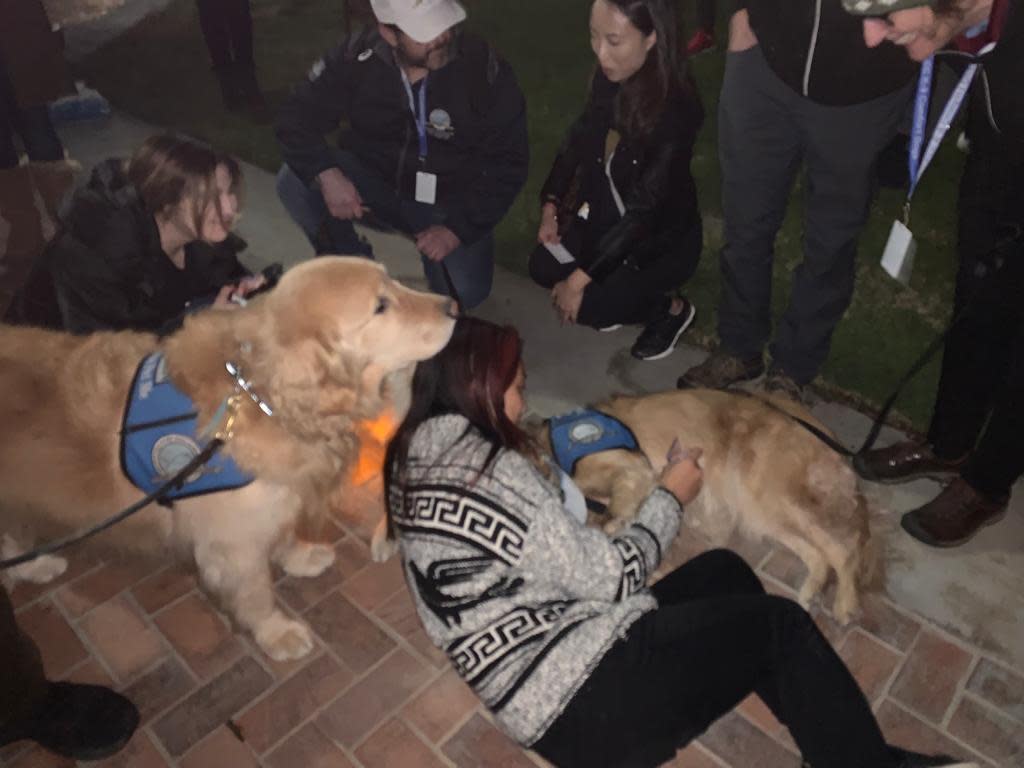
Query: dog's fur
pixel 763 474
pixel 331 346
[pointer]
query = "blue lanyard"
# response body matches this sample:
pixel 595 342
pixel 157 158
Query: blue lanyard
pixel 421 116
pixel 916 162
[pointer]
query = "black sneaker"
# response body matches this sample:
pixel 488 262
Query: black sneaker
pixel 83 722
pixel 906 759
pixel 721 370
pixel 659 337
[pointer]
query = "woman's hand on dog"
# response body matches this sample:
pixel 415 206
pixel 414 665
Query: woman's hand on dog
pixel 682 476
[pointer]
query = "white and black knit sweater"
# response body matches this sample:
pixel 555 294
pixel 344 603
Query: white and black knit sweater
pixel 523 599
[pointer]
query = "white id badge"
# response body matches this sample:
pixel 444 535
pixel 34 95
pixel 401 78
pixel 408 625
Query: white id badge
pixel 560 252
pixel 426 187
pixel 898 257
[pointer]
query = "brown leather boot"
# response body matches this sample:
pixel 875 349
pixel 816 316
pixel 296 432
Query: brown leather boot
pixel 905 461
pixel 719 371
pixel 954 516
pixel 24 231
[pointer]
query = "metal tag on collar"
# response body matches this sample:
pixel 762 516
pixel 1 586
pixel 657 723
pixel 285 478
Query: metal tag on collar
pixel 246 386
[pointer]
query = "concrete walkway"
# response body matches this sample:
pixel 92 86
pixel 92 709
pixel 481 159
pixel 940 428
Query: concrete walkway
pixel 941 653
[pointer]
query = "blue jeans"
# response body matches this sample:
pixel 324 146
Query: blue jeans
pixel 471 266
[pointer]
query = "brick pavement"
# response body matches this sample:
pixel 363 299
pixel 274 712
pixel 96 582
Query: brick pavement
pixel 375 693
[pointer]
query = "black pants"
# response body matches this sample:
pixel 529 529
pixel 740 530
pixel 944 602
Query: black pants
pixel 980 403
pixel 227 29
pixel 629 295
pixel 22 684
pixel 31 124
pixel 715 638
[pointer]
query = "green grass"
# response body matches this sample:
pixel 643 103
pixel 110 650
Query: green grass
pixel 159 72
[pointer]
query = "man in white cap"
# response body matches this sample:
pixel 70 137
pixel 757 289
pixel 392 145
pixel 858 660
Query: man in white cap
pixel 434 143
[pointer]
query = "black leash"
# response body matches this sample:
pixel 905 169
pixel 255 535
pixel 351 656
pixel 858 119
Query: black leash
pixel 914 369
pixel 207 453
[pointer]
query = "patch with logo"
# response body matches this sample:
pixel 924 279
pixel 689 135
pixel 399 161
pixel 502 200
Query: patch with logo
pixel 316 70
pixel 439 125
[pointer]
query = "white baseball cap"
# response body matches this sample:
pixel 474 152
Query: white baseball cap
pixel 422 20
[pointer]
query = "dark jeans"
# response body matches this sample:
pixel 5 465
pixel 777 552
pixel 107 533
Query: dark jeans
pixel 715 638
pixel 766 131
pixel 628 295
pixel 471 266
pixel 31 124
pixel 22 684
pixel 981 390
pixel 227 29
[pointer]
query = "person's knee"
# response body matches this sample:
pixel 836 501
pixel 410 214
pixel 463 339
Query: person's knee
pixel 735 570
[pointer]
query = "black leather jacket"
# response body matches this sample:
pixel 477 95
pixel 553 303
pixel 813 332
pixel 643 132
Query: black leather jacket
pixel 651 173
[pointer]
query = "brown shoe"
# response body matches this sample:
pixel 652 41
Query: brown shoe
pixel 954 516
pixel 719 371
pixel 778 382
pixel 905 461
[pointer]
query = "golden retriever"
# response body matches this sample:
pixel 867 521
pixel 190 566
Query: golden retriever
pixel 330 347
pixel 763 474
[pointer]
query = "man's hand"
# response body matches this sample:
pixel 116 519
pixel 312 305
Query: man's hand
pixel 567 296
pixel 340 195
pixel 741 36
pixel 548 232
pixel 437 242
pixel 682 476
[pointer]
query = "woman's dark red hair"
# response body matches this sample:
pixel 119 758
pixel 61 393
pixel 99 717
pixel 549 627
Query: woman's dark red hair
pixel 468 377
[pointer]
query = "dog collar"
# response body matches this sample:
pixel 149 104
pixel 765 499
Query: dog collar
pixel 235 372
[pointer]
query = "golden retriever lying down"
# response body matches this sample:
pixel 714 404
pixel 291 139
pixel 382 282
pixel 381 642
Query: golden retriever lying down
pixel 763 473
pixel 331 346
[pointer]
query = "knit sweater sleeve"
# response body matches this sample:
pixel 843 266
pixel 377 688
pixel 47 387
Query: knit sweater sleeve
pixel 588 563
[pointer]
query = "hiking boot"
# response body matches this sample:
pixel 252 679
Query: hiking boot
pixel 905 461
pixel 778 382
pixel 719 371
pixel 954 516
pixel 659 336
pixel 82 722
pixel 702 41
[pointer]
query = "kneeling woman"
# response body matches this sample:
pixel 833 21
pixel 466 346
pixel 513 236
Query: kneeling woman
pixel 551 622
pixel 633 228
pixel 141 243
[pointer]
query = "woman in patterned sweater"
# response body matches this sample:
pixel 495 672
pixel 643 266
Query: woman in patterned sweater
pixel 551 622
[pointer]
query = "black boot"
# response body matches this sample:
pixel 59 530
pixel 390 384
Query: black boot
pixel 250 94
pixel 83 722
pixel 230 93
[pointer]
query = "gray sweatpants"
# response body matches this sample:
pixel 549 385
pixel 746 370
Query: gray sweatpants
pixel 765 130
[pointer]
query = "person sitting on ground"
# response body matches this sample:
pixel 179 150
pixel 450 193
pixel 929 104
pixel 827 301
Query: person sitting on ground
pixel 551 622
pixel 633 229
pixel 974 436
pixel 82 722
pixel 435 143
pixel 142 243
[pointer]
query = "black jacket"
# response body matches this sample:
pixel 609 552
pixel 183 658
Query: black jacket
pixel 105 269
pixel 818 50
pixel 1004 73
pixel 651 173
pixel 481 163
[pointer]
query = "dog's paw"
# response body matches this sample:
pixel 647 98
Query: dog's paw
pixel 383 549
pixel 307 560
pixel 284 639
pixel 42 570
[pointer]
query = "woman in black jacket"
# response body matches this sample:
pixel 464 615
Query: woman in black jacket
pixel 144 241
pixel 631 233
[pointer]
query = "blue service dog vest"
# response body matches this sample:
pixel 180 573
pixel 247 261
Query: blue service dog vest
pixel 159 438
pixel 579 434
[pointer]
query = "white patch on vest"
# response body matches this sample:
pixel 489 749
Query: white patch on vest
pixel 172 453
pixel 586 432
pixel 364 55
pixel 317 69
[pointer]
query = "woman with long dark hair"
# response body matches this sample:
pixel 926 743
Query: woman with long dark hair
pixel 620 228
pixel 143 240
pixel 551 622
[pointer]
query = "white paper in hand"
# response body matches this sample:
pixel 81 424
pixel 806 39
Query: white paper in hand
pixel 560 252
pixel 898 257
